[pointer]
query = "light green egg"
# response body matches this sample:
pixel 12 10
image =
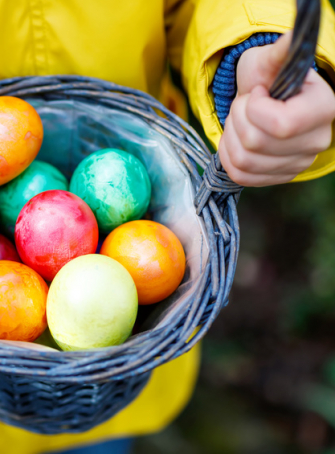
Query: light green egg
pixel 92 303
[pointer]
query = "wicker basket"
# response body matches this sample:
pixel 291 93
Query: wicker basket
pixel 56 392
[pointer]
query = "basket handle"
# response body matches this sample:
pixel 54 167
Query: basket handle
pixel 287 84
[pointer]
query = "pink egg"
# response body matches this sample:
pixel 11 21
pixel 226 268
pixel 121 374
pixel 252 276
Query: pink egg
pixel 7 250
pixel 53 228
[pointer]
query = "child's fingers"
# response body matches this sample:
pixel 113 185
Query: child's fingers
pixel 259 164
pixel 312 108
pixel 256 140
pixel 248 179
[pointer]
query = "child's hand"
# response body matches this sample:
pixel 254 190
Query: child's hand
pixel 266 141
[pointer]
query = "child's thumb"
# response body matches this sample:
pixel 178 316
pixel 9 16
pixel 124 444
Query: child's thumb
pixel 275 57
pixel 259 92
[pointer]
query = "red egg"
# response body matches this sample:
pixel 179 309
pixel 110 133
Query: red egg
pixel 53 228
pixel 7 250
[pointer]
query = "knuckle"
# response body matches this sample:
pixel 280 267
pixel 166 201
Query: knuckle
pixel 252 139
pixel 323 141
pixel 282 128
pixel 237 176
pixel 239 159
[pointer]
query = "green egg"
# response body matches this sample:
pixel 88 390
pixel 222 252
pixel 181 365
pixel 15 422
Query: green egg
pixel 115 185
pixel 38 177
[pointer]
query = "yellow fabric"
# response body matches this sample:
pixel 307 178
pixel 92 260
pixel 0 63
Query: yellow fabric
pixel 173 98
pixel 128 43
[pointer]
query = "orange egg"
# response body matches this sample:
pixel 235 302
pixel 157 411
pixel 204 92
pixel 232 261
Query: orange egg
pixel 21 135
pixel 152 254
pixel 23 296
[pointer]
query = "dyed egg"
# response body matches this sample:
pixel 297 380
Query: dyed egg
pixel 7 250
pixel 115 185
pixel 53 228
pixel 23 296
pixel 92 303
pixel 21 135
pixel 152 254
pixel 38 177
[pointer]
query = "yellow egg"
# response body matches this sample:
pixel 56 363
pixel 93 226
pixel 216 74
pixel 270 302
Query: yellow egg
pixel 92 303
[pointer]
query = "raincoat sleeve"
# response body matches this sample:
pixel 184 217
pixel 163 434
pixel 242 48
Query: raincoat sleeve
pixel 218 24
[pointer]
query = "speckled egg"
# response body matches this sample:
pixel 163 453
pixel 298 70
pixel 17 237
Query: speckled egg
pixel 152 254
pixel 21 135
pixel 38 177
pixel 92 303
pixel 116 186
pixel 23 296
pixel 53 228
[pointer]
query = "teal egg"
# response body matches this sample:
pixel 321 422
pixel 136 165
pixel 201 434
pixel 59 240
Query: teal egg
pixel 116 186
pixel 38 177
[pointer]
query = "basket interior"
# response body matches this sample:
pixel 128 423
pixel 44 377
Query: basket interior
pixel 73 130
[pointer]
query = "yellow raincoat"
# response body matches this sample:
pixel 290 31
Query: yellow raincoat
pixel 129 42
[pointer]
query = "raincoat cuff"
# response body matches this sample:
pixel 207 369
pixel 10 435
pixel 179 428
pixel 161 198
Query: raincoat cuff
pixel 224 83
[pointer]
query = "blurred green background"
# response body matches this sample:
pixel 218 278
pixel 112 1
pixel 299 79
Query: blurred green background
pixel 267 381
